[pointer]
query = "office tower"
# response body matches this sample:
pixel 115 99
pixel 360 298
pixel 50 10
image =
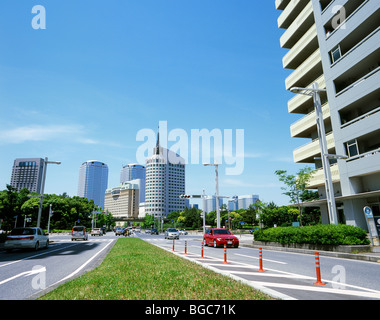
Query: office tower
pixel 165 182
pixel 93 181
pixel 209 203
pixel 123 201
pixel 336 44
pixel 27 173
pixel 233 204
pixel 134 171
pixel 245 201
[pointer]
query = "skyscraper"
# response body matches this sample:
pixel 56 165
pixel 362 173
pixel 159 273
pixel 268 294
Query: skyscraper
pixel 337 44
pixel 93 181
pixel 165 182
pixel 134 171
pixel 27 173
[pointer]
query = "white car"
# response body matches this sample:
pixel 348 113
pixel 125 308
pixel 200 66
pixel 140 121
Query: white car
pixel 172 233
pixel 26 238
pixel 79 232
pixel 182 232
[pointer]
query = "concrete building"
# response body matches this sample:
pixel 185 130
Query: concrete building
pixel 165 182
pixel 242 202
pixel 93 181
pixel 27 173
pixel 123 201
pixel 134 171
pixel 336 44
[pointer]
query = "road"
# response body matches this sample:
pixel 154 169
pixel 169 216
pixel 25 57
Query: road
pixel 287 275
pixel 24 273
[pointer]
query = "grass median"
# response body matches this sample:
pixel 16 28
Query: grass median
pixel 137 270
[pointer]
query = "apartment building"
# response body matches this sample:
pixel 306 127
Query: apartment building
pixel 335 43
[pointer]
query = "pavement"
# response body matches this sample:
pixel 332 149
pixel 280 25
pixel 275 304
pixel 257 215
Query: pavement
pixel 247 241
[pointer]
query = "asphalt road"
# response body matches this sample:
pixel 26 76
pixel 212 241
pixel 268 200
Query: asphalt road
pixel 287 275
pixel 24 274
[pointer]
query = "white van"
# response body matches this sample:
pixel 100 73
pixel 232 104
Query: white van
pixel 79 232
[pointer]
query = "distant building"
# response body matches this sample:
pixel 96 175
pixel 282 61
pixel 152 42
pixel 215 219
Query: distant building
pixel 93 181
pixel 27 173
pixel 123 201
pixel 209 203
pixel 242 202
pixel 134 171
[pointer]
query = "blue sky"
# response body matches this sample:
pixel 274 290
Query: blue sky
pixel 102 70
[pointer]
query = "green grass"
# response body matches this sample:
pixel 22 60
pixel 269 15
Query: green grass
pixel 136 270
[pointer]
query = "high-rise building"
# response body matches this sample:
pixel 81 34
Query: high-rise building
pixel 209 203
pixel 165 182
pixel 242 202
pixel 27 173
pixel 93 181
pixel 134 171
pixel 123 201
pixel 337 44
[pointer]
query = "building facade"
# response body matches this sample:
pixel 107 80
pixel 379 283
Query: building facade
pixel 27 173
pixel 134 171
pixel 242 202
pixel 209 203
pixel 336 44
pixel 165 182
pixel 93 181
pixel 123 202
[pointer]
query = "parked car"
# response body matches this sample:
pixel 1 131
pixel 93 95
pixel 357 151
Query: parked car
pixel 154 231
pixel 96 232
pixel 29 238
pixel 79 232
pixel 171 233
pixel 219 237
pixel 119 231
pixel 148 231
pixel 182 232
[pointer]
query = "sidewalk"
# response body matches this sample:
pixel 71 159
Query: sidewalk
pixel 247 241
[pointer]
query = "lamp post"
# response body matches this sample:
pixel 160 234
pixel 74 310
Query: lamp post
pixel 46 162
pixel 315 93
pixel 217 192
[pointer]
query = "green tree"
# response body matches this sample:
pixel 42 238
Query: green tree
pixel 295 185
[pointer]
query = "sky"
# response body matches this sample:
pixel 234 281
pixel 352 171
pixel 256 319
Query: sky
pixel 101 72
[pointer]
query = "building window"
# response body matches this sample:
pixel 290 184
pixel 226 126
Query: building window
pixel 352 148
pixel 335 54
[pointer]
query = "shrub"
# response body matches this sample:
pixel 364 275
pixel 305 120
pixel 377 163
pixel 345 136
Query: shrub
pixel 319 234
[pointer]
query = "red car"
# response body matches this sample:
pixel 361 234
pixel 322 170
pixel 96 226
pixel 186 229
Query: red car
pixel 220 237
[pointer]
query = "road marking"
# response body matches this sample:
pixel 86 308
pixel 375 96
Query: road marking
pixel 86 263
pixel 25 274
pixel 319 289
pixel 36 255
pixel 243 255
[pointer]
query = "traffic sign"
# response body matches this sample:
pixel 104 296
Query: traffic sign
pixel 368 212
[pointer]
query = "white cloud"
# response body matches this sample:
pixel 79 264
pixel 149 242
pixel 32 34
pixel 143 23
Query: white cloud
pixel 38 133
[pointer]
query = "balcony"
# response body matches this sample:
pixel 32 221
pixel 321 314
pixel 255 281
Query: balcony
pixel 304 104
pixel 290 13
pixel 318 178
pixel 299 26
pixel 281 4
pixel 310 69
pixel 305 46
pixel 307 152
pixel 306 125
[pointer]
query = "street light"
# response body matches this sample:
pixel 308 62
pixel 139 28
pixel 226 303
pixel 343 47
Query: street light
pixel 217 192
pixel 46 162
pixel 315 93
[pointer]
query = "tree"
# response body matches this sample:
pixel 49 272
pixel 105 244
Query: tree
pixel 295 185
